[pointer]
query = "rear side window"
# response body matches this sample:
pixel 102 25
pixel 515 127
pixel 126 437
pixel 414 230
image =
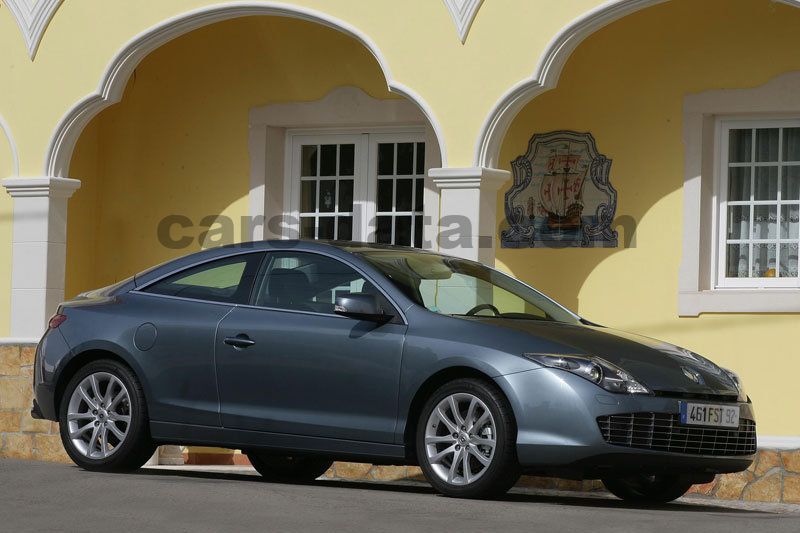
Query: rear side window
pixel 228 280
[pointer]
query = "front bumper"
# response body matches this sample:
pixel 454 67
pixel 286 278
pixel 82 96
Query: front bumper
pixel 558 433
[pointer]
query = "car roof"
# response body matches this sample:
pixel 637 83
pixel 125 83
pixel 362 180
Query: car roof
pixel 341 249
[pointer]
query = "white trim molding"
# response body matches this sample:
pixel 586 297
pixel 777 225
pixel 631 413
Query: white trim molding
pixel 698 291
pixel 12 145
pixel 38 250
pixel 114 79
pixel 32 17
pixel 41 187
pixel 344 110
pixel 463 13
pixel 548 70
pixel 17 341
pixel 468 195
pixel 779 443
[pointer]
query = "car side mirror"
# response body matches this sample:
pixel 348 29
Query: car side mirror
pixel 361 307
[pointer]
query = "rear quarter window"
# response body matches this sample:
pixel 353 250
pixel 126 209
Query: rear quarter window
pixel 228 280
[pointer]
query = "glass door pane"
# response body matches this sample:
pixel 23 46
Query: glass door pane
pixel 327 187
pixel 399 193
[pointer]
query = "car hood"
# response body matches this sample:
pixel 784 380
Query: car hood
pixel 658 365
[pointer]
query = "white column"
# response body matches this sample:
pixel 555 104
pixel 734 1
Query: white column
pixel 38 250
pixel 467 217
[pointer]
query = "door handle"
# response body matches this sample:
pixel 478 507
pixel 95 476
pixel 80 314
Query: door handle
pixel 239 341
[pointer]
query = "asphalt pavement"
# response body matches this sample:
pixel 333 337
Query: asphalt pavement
pixel 43 497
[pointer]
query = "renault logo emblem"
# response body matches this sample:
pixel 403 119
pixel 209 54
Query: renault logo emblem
pixel 693 375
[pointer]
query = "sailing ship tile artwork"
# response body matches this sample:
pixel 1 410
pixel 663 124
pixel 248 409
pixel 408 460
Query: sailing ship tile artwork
pixel 561 195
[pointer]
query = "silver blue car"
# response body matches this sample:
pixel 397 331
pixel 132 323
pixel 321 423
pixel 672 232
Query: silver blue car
pixel 302 353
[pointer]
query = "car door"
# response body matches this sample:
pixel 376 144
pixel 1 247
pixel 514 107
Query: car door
pixel 179 315
pixel 288 364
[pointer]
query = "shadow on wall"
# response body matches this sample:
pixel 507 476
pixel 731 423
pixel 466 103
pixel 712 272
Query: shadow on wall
pixel 625 84
pixel 177 143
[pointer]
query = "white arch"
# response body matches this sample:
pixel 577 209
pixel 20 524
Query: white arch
pixel 114 79
pixel 5 128
pixel 548 71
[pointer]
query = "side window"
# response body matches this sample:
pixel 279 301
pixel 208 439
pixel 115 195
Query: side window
pixel 310 282
pixel 228 280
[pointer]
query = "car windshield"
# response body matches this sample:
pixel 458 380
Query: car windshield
pixel 458 287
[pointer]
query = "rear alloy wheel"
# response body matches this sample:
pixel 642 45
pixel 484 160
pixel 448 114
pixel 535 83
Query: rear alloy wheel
pixel 466 440
pixel 661 488
pixel 291 469
pixel 103 418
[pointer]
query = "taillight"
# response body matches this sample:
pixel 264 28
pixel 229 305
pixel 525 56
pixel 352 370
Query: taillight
pixel 56 320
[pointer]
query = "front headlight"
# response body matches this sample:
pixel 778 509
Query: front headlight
pixel 738 382
pixel 599 371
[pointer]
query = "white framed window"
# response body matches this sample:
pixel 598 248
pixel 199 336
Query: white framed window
pixel 759 203
pixel 357 186
pixel 739 204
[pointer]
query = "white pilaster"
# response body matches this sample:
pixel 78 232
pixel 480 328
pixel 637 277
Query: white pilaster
pixel 38 250
pixel 468 211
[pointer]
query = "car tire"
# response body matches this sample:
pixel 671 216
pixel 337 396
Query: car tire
pixel 289 469
pixel 662 488
pixel 105 427
pixel 472 455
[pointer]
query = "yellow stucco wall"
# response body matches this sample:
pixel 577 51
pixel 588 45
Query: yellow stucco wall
pixel 625 85
pixel 416 37
pixel 178 142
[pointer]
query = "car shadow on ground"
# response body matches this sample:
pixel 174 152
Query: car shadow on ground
pixel 516 496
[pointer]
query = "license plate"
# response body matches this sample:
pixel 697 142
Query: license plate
pixel 705 414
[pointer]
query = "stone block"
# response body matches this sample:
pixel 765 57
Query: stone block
pixel 32 425
pixel 27 355
pixel 766 461
pixel 17 446
pixel 352 470
pixel 536 482
pixel 791 461
pixel 15 393
pixel 50 448
pixel 765 489
pixel 704 488
pixel 415 473
pixel 791 489
pixel 730 486
pixel 9 421
pixel 9 360
pixel 387 473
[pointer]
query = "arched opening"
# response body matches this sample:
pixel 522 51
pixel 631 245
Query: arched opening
pixel 628 85
pixel 169 169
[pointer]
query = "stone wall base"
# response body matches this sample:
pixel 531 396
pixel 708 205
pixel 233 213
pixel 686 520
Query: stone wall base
pixel 773 477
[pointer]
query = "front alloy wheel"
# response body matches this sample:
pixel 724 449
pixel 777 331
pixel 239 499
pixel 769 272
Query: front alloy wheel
pixel 465 440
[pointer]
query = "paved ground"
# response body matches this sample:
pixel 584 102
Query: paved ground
pixel 50 497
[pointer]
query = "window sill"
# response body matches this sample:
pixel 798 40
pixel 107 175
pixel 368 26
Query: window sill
pixel 693 303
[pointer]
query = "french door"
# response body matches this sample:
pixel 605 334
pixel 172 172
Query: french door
pixel 361 187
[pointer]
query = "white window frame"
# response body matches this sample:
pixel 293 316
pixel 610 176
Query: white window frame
pixel 723 128
pixel 344 108
pixel 698 287
pixel 372 205
pixel 365 185
pixel 295 141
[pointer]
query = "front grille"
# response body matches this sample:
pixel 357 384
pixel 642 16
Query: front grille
pixel 663 432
